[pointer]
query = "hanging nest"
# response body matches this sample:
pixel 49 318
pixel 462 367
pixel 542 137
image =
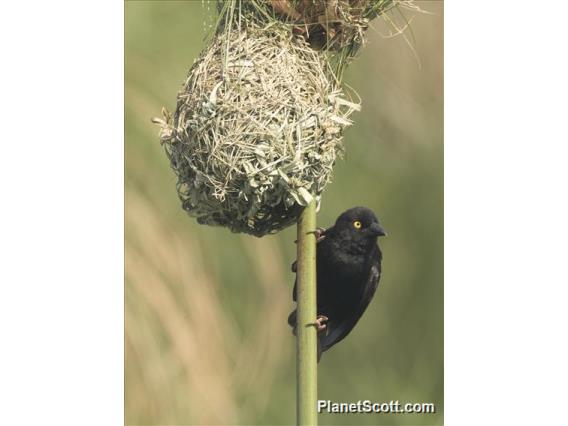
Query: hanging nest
pixel 335 26
pixel 256 131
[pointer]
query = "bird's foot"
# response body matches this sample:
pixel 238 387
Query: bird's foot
pixel 320 323
pixel 319 234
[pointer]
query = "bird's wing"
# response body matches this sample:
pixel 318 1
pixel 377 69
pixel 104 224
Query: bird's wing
pixel 339 329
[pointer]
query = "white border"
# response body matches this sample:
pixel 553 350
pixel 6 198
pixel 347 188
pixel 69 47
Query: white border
pixel 61 177
pixel 505 213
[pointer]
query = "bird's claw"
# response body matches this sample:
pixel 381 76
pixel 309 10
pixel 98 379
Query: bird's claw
pixel 319 234
pixel 320 323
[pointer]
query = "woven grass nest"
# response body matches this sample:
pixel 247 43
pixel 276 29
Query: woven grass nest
pixel 257 129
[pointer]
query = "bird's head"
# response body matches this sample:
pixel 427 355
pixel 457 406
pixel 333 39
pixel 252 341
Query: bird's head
pixel 359 224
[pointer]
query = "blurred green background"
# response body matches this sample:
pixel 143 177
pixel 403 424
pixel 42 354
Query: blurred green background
pixel 206 338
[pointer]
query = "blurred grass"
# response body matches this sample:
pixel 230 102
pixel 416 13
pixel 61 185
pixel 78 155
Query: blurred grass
pixel 206 339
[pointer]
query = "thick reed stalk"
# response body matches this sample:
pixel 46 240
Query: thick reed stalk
pixel 306 347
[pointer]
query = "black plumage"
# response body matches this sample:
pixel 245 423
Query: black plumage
pixel 348 272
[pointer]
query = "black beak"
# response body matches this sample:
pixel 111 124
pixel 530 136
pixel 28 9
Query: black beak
pixel 377 230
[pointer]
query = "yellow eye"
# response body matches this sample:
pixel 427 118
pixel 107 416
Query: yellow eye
pixel 357 224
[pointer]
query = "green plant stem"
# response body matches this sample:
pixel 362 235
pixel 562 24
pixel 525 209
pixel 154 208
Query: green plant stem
pixel 306 345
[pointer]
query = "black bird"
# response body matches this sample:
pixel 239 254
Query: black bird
pixel 348 272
